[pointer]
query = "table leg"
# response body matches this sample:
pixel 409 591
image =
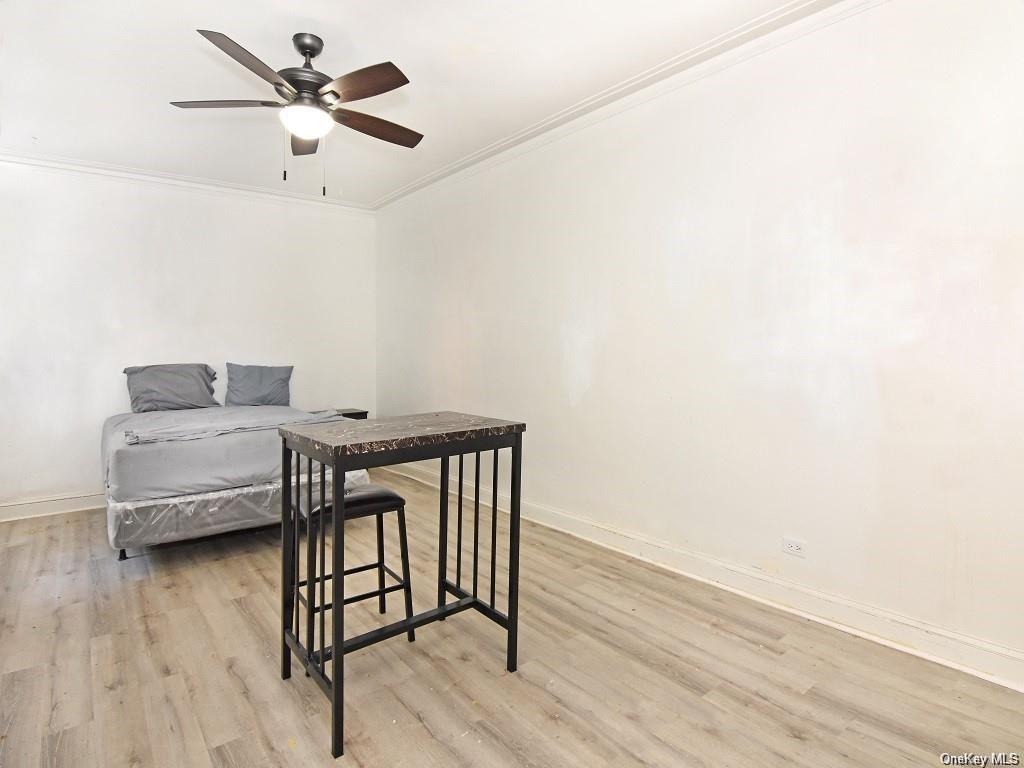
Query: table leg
pixel 442 540
pixel 287 568
pixel 338 614
pixel 310 560
pixel 476 522
pixel 513 555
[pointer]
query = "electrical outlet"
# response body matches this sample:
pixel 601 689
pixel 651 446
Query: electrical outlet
pixel 794 547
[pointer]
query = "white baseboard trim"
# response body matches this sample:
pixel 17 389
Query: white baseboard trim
pixel 52 505
pixel 990 661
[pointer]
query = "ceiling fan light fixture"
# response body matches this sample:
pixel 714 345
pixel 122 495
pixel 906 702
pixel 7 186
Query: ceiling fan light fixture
pixel 303 118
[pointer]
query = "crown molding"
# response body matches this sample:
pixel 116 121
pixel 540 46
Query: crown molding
pixel 825 13
pixel 742 42
pixel 172 180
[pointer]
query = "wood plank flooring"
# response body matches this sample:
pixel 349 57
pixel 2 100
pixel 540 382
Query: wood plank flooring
pixel 172 659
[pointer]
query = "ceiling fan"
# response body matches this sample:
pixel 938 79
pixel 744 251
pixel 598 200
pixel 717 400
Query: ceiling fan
pixel 312 99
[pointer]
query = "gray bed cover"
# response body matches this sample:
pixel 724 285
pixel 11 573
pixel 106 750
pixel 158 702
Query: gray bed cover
pixel 174 453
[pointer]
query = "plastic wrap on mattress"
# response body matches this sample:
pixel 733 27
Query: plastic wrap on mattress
pixel 155 521
pixel 158 521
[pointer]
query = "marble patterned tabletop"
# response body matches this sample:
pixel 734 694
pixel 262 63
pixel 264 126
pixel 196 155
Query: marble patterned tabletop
pixel 348 438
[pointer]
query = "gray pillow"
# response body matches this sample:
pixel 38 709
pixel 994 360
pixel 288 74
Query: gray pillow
pixel 171 387
pixel 258 384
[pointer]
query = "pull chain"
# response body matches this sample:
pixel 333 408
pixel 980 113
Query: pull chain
pixel 284 156
pixel 323 165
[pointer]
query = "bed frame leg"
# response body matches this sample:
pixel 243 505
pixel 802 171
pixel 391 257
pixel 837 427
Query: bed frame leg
pixel 121 555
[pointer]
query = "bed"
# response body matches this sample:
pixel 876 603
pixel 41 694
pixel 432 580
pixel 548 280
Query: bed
pixel 181 474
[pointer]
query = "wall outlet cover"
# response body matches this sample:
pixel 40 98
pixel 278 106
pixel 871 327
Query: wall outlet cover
pixel 795 547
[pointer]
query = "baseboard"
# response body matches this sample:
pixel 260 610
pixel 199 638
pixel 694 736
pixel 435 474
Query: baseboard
pixel 53 505
pixel 990 661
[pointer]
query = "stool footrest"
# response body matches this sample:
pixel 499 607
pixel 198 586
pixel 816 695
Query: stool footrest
pixel 361 568
pixel 348 572
pixel 368 595
pixel 357 598
pixel 318 579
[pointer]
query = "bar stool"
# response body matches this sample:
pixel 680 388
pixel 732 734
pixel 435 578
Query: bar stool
pixel 363 501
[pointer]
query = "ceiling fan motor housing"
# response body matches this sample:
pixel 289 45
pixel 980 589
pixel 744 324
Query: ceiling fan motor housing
pixel 304 79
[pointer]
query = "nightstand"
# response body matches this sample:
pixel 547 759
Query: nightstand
pixel 353 413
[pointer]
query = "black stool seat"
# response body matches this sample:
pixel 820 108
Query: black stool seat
pixel 369 499
pixel 366 500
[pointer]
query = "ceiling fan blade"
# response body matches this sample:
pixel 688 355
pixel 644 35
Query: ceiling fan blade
pixel 246 59
pixel 376 127
pixel 366 82
pixel 224 104
pixel 304 146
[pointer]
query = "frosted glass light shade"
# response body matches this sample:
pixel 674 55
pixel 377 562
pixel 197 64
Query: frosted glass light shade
pixel 305 121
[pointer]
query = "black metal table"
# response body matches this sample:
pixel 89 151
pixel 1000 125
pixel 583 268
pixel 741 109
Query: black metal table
pixel 351 445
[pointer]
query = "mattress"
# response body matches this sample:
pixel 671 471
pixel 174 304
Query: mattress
pixel 165 454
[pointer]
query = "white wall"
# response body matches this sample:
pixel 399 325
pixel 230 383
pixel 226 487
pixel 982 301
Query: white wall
pixel 100 272
pixel 781 298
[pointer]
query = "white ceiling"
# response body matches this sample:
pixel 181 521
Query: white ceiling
pixel 89 82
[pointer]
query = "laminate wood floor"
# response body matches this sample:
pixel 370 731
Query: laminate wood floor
pixel 172 659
